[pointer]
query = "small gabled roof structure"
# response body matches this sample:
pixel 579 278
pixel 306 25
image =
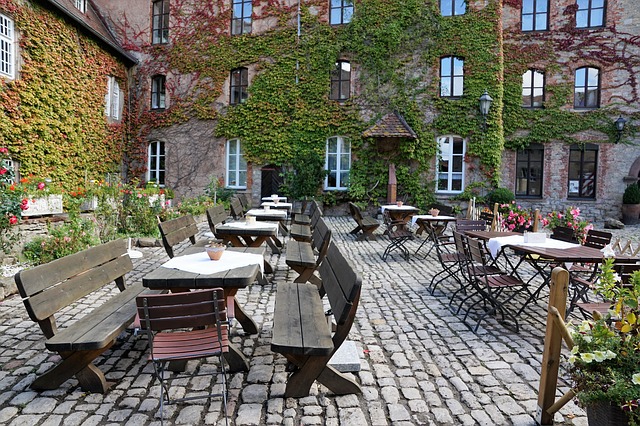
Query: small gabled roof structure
pixel 91 22
pixel 391 125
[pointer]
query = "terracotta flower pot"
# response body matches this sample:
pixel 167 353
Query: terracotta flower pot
pixel 215 252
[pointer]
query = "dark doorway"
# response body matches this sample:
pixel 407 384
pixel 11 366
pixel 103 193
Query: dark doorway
pixel 271 180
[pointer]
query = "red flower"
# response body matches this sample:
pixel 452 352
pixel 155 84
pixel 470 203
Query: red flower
pixel 13 220
pixel 41 186
pixel 3 171
pixel 4 150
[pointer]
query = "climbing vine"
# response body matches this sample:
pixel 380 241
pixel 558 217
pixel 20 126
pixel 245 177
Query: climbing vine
pixel 53 116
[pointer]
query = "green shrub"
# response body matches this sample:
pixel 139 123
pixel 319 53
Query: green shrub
pixel 631 194
pixel 63 240
pixel 500 196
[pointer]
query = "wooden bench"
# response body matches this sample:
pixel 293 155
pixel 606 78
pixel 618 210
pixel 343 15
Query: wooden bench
pixel 305 218
pixel 366 224
pixel 50 288
pixel 235 208
pixel 303 232
pixel 301 255
pixel 302 329
pixel 177 230
pixel 215 216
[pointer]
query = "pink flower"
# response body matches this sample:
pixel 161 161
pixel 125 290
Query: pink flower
pixel 4 150
pixel 3 171
pixel 13 220
pixel 139 195
pixel 575 211
pixel 66 239
pixel 41 186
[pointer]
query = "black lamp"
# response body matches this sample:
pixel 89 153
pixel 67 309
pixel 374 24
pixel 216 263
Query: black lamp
pixel 485 105
pixel 620 122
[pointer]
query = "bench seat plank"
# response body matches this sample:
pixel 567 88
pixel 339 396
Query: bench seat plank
pixel 101 326
pixel 300 232
pixel 300 253
pixel 299 323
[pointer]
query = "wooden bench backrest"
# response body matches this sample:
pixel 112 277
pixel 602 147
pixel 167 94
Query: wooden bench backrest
pixel 236 208
pixel 244 201
pixel 341 285
pixel 356 213
pixel 48 288
pixel 320 239
pixel 177 230
pixel 216 215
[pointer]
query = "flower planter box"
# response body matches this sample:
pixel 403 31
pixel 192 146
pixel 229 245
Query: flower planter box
pixel 41 206
pixel 89 204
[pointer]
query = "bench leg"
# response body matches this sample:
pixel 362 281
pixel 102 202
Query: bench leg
pixel 89 376
pixel 311 369
pixel 247 323
pixel 355 230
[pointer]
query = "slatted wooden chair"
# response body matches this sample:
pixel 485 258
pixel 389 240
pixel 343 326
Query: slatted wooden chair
pixel 182 327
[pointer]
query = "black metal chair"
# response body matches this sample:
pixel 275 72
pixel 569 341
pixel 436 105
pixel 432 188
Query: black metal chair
pixel 398 234
pixel 450 261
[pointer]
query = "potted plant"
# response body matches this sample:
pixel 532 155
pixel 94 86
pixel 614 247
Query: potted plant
pixel 514 218
pixel 605 358
pixel 571 219
pixel 631 204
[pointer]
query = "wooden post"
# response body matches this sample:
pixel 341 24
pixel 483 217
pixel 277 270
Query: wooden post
pixel 536 220
pixel 552 346
pixel 392 185
pixel 494 224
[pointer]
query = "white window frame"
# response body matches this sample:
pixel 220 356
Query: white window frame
pixel 235 165
pixel 445 144
pixel 343 147
pixel 81 5
pixel 157 173
pixel 7 47
pixel 112 99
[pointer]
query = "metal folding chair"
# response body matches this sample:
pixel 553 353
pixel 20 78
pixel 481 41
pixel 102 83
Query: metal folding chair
pixel 398 234
pixel 183 327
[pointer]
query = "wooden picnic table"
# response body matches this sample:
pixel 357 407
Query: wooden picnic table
pixel 245 234
pixel 271 215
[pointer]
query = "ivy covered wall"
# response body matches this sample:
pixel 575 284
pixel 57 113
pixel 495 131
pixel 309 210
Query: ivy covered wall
pixel 53 114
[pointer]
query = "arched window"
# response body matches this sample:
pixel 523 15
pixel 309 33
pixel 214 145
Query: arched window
pixel 155 163
pixel 451 76
pixel 341 81
pixel 450 164
pixel 532 89
pixel 587 88
pixel 238 86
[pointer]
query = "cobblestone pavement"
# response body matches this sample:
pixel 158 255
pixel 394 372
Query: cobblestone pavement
pixel 420 364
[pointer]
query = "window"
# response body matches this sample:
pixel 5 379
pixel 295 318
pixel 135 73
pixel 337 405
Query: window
pixel 532 89
pixel 236 165
pixel 451 76
pixel 239 83
pixel 590 13
pixel 529 171
pixel 450 165
pixel 241 18
pixel 160 24
pixel 341 81
pixel 583 165
pixel 453 7
pixel 158 92
pixel 338 163
pixel 341 12
pixel 535 15
pixel 112 99
pixel 155 165
pixel 6 47
pixel 587 88
pixel 81 5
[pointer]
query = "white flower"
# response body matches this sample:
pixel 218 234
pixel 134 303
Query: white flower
pixel 610 355
pixel 572 359
pixel 587 338
pixel 600 356
pixel 607 251
pixel 587 357
pixel 575 349
pixel 636 379
pixel 585 327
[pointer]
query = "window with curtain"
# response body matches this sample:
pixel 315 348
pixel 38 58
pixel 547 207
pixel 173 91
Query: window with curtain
pixel 587 88
pixel 337 163
pixel 532 89
pixel 238 86
pixel 341 81
pixel 236 165
pixel 583 167
pixel 340 12
pixel 529 167
pixel 160 22
pixel 451 76
pixel 535 15
pixel 241 17
pixel 158 92
pixel 450 164
pixel 155 163
pixel 590 13
pixel 112 99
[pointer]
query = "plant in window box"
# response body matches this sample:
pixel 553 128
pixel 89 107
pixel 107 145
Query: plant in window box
pixel 512 217
pixel 570 218
pixel 605 357
pixel 44 196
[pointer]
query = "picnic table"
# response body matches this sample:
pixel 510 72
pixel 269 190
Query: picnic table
pixel 245 233
pixel 271 215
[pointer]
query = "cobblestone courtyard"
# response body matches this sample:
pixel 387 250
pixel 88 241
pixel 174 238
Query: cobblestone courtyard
pixel 420 364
